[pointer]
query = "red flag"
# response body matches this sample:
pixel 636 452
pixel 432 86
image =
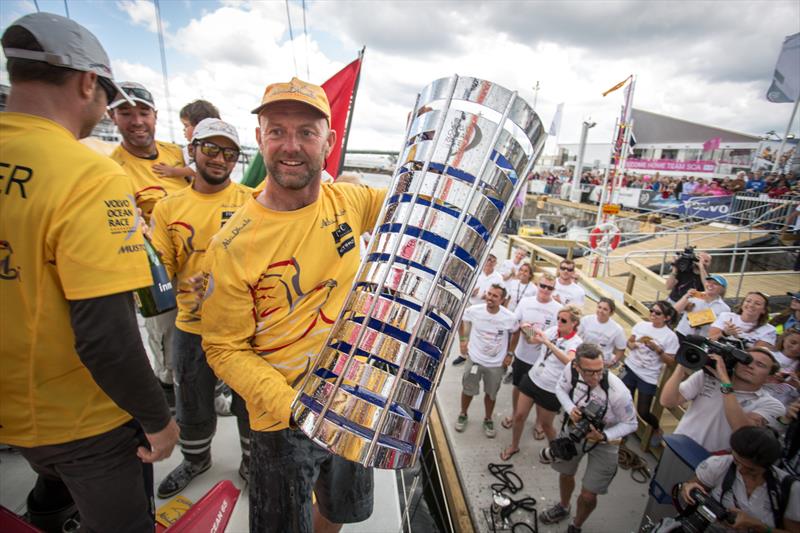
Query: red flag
pixel 712 144
pixel 341 89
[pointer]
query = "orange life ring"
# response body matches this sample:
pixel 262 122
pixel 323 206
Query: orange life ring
pixel 605 232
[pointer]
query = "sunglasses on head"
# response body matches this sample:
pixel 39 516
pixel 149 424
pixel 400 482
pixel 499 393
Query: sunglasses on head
pixel 231 155
pixel 546 287
pixel 137 92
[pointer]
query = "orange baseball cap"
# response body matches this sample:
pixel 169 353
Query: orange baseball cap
pixel 296 90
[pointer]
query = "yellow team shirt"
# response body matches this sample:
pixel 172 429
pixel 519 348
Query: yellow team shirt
pixel 68 231
pixel 182 226
pixel 148 186
pixel 277 282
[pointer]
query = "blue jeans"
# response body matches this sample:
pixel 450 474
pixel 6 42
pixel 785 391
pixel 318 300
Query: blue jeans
pixel 286 466
pixel 194 399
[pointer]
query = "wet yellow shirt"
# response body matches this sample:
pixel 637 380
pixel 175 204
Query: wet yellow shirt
pixel 182 226
pixel 277 281
pixel 148 186
pixel 68 231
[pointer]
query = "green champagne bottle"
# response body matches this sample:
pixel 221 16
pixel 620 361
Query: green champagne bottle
pixel 159 297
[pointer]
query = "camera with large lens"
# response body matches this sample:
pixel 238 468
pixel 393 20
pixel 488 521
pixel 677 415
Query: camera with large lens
pixel 706 512
pixel 694 350
pixel 563 448
pixel 686 260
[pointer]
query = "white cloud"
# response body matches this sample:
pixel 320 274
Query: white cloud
pixel 142 13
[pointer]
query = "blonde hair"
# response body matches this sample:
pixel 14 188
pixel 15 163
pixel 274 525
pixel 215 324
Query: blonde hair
pixel 547 276
pixel 574 313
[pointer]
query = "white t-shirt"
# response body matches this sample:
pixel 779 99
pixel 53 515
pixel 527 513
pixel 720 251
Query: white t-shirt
pixel 483 284
pixel 711 473
pixel 517 291
pixel 548 368
pixel 718 306
pixel 783 392
pixel 705 421
pixel 572 294
pixel 509 267
pixel 542 316
pixel 609 336
pixel 488 337
pixel 643 361
pixel 750 333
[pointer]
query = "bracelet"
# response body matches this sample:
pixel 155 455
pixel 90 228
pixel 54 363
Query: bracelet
pixel 726 385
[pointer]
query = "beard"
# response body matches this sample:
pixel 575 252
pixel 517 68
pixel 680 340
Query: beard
pixel 293 181
pixel 212 180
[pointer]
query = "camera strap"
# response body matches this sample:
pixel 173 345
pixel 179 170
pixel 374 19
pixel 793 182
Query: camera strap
pixel 575 378
pixel 778 492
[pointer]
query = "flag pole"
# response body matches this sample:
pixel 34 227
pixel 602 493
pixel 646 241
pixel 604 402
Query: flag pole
pixel 785 134
pixel 350 111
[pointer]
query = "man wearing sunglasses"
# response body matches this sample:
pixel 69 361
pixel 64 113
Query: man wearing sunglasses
pixel 140 155
pixel 182 225
pixel 279 273
pixel 583 380
pixel 568 292
pixel 79 400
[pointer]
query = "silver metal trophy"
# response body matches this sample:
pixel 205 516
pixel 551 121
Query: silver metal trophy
pixel 468 149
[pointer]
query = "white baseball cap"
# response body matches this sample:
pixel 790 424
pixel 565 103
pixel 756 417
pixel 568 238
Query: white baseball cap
pixel 214 127
pixel 65 43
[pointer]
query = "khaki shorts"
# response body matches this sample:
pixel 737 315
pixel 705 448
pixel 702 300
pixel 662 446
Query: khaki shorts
pixel 492 379
pixel 600 470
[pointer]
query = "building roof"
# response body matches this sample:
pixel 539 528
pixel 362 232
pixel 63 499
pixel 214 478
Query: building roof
pixel 652 128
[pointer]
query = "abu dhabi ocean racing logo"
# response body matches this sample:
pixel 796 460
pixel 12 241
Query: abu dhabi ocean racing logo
pixel 7 271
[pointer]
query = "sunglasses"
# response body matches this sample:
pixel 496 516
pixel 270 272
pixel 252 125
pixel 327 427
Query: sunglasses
pixel 568 269
pixel 656 312
pixel 108 88
pixel 563 320
pixel 590 372
pixel 547 287
pixel 137 92
pixel 231 155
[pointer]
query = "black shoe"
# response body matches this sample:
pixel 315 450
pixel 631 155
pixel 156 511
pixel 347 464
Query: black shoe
pixel 573 529
pixel 179 479
pixel 459 361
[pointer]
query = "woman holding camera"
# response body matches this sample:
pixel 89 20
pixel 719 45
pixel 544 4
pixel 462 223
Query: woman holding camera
pixel 538 387
pixel 748 323
pixel 760 496
pixel 650 346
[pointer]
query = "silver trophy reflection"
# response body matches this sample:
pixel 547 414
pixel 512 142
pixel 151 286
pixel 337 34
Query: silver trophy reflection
pixel 468 148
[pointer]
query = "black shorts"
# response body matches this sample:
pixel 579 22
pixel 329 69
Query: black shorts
pixel 519 369
pixel 541 397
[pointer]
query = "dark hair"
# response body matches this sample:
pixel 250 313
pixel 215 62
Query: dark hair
pixel 794 330
pixel 501 287
pixel 198 110
pixel 587 350
pixel 609 301
pixel 22 70
pixel 669 312
pixel 766 351
pixel 757 444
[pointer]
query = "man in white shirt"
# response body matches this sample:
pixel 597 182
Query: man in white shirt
pixel 721 405
pixel 486 279
pixel 485 333
pixel 568 292
pixel 583 380
pixel 509 267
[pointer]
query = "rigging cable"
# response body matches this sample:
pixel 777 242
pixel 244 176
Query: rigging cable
pixel 305 35
pixel 35 3
pixel 291 37
pixel 66 8
pixel 164 69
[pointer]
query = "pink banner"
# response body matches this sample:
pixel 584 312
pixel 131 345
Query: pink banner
pixel 669 164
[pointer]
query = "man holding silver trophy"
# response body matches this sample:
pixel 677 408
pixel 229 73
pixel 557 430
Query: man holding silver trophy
pixel 286 261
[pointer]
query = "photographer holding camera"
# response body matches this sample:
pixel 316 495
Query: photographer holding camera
pixel 601 413
pixel 756 495
pixel 688 272
pixel 722 405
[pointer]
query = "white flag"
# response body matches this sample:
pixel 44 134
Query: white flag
pixel 555 125
pixel 786 80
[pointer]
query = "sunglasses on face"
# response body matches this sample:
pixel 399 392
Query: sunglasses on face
pixel 565 269
pixel 589 372
pixel 546 287
pixel 563 320
pixel 656 312
pixel 231 155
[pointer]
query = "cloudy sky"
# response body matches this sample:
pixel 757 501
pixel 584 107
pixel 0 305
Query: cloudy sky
pixel 709 62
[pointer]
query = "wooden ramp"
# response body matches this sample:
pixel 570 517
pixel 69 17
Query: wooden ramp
pixel 704 237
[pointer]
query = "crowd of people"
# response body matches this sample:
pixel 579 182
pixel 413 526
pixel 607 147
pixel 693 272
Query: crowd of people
pixel 555 355
pixel 774 184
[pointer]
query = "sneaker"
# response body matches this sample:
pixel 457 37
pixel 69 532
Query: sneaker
pixel 178 479
pixel 573 529
pixel 459 360
pixel 544 457
pixel 555 514
pixel 488 429
pixel 461 423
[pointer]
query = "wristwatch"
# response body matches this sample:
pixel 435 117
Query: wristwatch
pixel 726 388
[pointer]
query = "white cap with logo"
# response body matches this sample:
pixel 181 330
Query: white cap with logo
pixel 65 43
pixel 214 127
